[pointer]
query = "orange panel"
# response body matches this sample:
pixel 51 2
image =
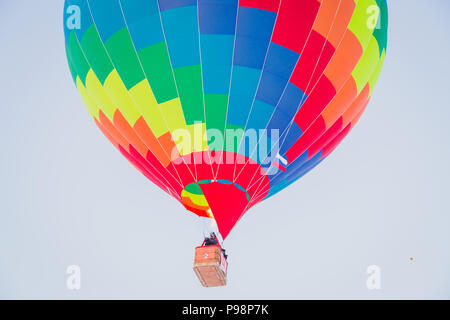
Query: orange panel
pixel 188 202
pixel 122 124
pixel 356 106
pixel 108 125
pixel 340 103
pixel 342 21
pixel 151 141
pixel 169 145
pixel 359 114
pixel 325 17
pixel 344 60
pixel 106 133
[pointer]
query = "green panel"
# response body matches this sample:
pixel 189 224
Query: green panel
pixel 73 72
pixel 156 64
pixel 190 90
pixel 121 51
pixel 233 137
pixel 216 110
pixel 194 188
pixel 76 55
pixel 380 33
pixel 96 54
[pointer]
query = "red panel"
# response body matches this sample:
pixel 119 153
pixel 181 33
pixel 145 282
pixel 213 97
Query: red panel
pixel 226 168
pixel 199 212
pixel 170 178
pixel 213 158
pixel 326 138
pixel 227 204
pixel 269 5
pixel 245 172
pixel 306 140
pixel 181 170
pixel 310 67
pixel 314 105
pixel 334 143
pixel 294 23
pixel 204 170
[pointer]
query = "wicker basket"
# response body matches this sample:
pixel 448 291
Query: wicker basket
pixel 210 266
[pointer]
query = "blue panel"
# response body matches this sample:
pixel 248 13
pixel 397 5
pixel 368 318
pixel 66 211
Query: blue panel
pixel 257 121
pixel 253 33
pixel 267 149
pixel 279 122
pixel 260 115
pixel 284 180
pixel 295 166
pixel 217 16
pixel 277 178
pixel 144 23
pixel 290 137
pixel 107 16
pixel 258 150
pixel 291 99
pixel 308 166
pixel 181 30
pixel 85 17
pixel 217 52
pixel 277 71
pixel 172 4
pixel 135 10
pixel 290 170
pixel 242 92
pixel 274 189
pixel 224 181
pixel 280 60
pixel 271 88
pixel 238 109
pixel 255 23
pixel 249 52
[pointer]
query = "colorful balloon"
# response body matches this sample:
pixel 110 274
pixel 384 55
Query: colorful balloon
pixel 223 103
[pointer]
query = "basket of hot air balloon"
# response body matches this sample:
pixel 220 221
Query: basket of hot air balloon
pixel 210 263
pixel 224 103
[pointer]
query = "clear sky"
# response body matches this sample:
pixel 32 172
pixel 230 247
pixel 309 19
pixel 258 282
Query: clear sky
pixel 69 198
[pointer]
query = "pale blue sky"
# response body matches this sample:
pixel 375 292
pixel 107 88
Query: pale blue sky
pixel 68 197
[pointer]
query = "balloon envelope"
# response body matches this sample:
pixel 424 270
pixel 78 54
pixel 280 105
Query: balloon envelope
pixel 223 103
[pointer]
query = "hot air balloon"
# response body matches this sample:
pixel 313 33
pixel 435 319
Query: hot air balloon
pixel 224 103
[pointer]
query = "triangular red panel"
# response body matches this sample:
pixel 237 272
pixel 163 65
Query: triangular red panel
pixel 227 204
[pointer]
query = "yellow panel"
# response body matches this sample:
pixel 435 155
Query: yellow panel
pixel 366 65
pixel 97 92
pixel 361 24
pixel 197 132
pixel 145 101
pixel 91 107
pixel 115 88
pixel 198 199
pixel 173 114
